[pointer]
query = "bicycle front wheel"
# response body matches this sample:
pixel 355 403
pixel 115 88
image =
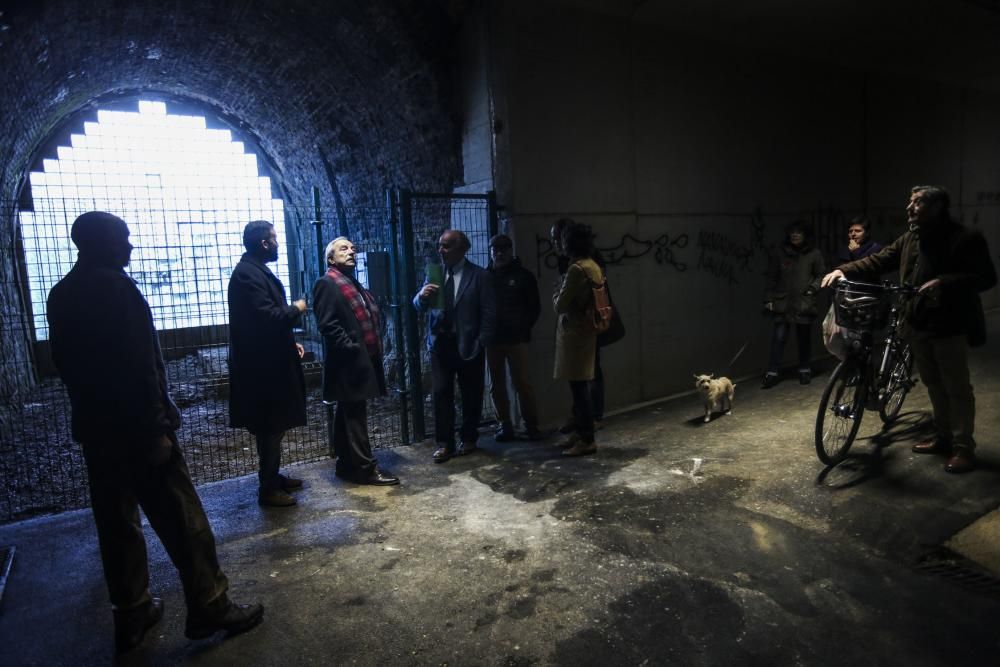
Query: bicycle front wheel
pixel 899 384
pixel 840 412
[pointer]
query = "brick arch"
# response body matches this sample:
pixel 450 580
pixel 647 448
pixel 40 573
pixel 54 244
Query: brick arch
pixel 352 97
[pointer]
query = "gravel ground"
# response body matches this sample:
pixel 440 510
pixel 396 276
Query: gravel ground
pixel 42 470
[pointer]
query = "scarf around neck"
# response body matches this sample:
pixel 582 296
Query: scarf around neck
pixel 364 307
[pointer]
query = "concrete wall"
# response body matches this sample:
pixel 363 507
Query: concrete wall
pixel 689 157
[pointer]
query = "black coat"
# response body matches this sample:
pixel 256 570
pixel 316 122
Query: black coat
pixel 518 306
pixel 105 348
pixel 267 388
pixel 475 313
pixel 792 280
pixel 349 372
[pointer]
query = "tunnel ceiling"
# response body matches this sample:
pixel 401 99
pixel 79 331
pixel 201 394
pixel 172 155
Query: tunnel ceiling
pixel 354 91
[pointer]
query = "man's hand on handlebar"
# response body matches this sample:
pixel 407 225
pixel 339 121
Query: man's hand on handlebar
pixel 832 277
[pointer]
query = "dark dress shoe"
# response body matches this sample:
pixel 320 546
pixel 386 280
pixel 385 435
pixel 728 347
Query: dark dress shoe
pixel 933 445
pixel 289 483
pixel 442 454
pixel 378 478
pixel 466 448
pixel 533 433
pixel 504 434
pixel 769 381
pixel 963 460
pixel 275 498
pixel 131 625
pixel 568 427
pixel 222 615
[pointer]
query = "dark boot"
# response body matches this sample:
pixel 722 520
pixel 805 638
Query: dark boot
pixel 131 625
pixel 222 614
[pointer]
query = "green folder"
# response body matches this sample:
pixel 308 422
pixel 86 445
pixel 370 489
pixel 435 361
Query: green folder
pixel 435 276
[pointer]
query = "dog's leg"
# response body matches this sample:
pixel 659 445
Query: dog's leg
pixel 708 412
pixel 729 405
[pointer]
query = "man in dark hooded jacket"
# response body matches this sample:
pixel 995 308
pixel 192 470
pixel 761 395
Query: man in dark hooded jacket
pixel 518 308
pixel 951 264
pixel 106 350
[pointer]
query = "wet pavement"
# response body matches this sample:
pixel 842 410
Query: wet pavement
pixel 678 543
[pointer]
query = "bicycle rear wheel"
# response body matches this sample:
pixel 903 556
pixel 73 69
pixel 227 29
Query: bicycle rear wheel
pixel 898 386
pixel 840 411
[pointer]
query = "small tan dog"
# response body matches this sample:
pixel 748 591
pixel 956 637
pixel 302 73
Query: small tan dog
pixel 715 392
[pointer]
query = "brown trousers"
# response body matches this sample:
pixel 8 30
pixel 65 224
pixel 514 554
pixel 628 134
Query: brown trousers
pixel 515 357
pixel 943 364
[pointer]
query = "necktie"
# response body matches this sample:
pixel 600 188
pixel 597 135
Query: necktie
pixel 449 302
pixel 449 292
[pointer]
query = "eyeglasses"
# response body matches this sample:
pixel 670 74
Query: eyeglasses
pixel 504 246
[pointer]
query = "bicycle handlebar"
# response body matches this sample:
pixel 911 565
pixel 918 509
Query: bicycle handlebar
pixel 884 285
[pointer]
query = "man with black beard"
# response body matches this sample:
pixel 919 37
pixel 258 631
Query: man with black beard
pixel 267 390
pixel 951 264
pixel 106 350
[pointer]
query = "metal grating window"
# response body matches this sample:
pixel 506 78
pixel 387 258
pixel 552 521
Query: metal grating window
pixel 185 189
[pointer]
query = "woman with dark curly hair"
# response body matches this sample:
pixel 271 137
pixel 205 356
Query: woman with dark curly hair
pixel 576 340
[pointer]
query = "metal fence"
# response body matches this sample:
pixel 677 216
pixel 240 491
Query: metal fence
pixel 182 263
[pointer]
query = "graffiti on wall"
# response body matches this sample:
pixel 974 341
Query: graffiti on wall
pixel 726 257
pixel 629 247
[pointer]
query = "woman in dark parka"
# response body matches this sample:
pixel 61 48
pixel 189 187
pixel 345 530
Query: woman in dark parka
pixel 793 275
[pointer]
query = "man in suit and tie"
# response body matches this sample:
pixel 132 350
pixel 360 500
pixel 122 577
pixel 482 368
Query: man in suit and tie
pixel 457 336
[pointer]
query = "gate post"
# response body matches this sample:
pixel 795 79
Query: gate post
pixel 318 225
pixel 399 303
pixel 492 213
pixel 415 371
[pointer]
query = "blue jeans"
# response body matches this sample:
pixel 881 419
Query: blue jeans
pixel 778 338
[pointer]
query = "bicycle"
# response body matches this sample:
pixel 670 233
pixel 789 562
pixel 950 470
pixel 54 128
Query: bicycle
pixel 856 384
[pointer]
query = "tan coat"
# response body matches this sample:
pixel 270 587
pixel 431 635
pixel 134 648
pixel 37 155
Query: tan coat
pixel 575 346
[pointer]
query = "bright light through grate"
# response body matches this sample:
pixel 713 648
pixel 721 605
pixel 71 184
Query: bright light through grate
pixel 186 192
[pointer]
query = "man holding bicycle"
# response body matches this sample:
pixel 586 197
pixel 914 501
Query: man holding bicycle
pixel 951 264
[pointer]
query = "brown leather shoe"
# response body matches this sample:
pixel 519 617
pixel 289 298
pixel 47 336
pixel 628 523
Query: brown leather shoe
pixel 275 498
pixel 581 448
pixel 933 445
pixel 962 460
pixel 289 483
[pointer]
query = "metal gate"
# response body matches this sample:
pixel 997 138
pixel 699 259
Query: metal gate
pixel 42 470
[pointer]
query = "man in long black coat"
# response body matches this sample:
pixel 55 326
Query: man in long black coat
pixel 106 350
pixel 349 321
pixel 267 392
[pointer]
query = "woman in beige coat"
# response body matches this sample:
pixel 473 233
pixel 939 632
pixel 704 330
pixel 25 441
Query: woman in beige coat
pixel 575 341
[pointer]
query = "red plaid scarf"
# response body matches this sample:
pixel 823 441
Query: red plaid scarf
pixel 364 307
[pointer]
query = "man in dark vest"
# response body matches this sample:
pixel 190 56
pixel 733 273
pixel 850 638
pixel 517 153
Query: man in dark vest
pixel 106 350
pixel 951 264
pixel 350 322
pixel 267 393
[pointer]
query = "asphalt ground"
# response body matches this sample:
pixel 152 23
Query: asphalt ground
pixel 677 543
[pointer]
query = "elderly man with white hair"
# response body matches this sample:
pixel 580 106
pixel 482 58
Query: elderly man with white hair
pixel 350 323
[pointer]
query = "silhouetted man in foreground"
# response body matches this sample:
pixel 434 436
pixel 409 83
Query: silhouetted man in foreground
pixel 105 347
pixel 950 264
